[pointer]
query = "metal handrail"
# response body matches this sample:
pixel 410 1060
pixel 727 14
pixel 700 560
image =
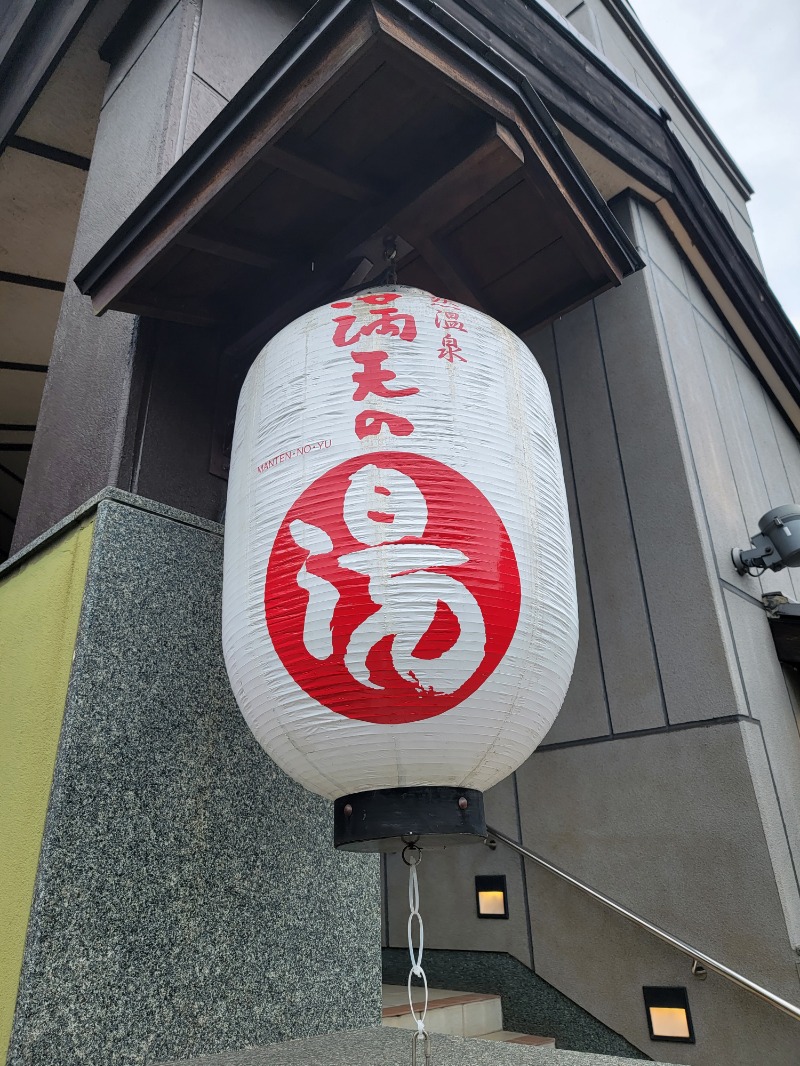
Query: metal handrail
pixel 662 934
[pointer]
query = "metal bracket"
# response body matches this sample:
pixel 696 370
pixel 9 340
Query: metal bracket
pixel 391 818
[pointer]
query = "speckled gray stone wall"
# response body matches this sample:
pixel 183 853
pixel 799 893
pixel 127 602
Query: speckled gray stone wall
pixel 189 899
pixel 376 1047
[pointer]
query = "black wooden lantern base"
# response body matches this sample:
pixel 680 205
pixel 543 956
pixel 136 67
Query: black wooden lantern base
pixel 389 818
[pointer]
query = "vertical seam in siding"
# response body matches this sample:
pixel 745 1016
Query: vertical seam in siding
pixel 524 874
pixel 580 530
pixel 701 512
pixel 639 570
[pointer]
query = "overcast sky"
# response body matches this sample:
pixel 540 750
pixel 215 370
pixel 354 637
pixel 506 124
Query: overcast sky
pixel 740 63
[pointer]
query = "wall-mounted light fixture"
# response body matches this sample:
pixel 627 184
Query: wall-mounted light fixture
pixel 668 1016
pixel 491 896
pixel 776 546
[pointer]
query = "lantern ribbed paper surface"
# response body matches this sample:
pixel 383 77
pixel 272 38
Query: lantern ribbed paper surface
pixel 399 593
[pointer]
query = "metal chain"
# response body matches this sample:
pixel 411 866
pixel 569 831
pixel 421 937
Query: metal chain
pixel 412 856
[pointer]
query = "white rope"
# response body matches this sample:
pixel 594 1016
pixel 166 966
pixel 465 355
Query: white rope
pixel 415 954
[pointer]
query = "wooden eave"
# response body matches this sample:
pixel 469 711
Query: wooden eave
pixel 528 46
pixel 371 118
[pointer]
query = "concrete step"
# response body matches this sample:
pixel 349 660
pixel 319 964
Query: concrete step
pixel 519 1038
pixel 379 1046
pixel 451 1013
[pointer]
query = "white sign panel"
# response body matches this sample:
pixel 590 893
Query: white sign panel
pixel 399 594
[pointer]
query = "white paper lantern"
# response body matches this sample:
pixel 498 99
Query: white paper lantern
pixel 399 594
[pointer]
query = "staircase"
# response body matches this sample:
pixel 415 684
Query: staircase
pixel 468 1014
pixel 468 1028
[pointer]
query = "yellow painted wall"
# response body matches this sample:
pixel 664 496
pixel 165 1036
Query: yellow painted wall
pixel 39 608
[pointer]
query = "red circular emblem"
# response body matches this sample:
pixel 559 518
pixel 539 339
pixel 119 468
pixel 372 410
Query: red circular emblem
pixel 392 589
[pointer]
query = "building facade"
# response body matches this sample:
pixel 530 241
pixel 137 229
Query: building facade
pixel 180 179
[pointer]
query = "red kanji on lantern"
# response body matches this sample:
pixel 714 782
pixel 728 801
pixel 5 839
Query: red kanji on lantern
pixel 450 349
pixel 447 319
pixel 388 322
pixel 373 377
pixel 370 423
pixel 366 538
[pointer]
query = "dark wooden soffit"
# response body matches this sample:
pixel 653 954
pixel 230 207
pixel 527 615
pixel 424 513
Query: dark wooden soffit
pixel 34 35
pixel 369 119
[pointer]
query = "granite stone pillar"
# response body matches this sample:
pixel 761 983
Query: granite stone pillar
pixel 188 898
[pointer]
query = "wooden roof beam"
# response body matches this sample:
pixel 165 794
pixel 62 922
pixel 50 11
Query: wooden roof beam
pixel 491 162
pixel 419 195
pixel 297 293
pixel 186 312
pixel 233 250
pixel 496 159
pixel 319 176
pixel 453 274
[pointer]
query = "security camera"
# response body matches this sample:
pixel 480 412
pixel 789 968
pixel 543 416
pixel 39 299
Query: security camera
pixel 776 546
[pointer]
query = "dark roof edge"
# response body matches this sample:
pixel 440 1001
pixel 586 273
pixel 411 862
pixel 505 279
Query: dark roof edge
pixel 739 277
pixel 626 16
pixel 321 17
pixel 662 163
pixel 453 35
pixel 300 40
pixel 734 268
pixel 622 13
